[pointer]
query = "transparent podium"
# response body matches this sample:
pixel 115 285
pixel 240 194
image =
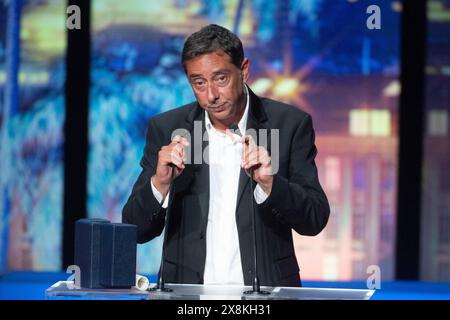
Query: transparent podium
pixel 67 290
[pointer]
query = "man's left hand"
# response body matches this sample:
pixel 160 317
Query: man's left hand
pixel 257 158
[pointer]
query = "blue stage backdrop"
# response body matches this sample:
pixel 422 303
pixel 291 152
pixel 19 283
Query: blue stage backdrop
pixel 31 133
pixel 318 55
pixel 3 223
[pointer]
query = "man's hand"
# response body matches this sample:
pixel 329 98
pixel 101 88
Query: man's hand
pixel 170 157
pixel 257 158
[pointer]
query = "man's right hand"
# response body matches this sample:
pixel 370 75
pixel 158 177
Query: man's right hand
pixel 170 157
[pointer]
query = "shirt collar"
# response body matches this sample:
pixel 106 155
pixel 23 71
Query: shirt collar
pixel 242 125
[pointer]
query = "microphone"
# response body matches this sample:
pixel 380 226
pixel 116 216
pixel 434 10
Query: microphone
pixel 256 288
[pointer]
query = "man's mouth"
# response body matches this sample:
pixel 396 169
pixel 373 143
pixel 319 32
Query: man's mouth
pixel 217 108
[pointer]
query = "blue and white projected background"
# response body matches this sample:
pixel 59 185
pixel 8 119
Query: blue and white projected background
pixel 31 135
pixel 316 54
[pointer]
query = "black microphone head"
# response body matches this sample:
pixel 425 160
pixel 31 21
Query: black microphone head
pixel 234 127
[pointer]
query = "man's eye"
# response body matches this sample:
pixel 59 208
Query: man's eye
pixel 221 79
pixel 199 84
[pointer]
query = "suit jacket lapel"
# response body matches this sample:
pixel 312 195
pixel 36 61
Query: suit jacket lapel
pixel 202 178
pixel 255 121
pixel 196 174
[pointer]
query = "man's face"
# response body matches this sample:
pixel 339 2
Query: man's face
pixel 218 86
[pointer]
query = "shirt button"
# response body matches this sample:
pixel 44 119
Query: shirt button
pixel 202 235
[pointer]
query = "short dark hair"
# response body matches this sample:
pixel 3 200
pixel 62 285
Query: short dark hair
pixel 210 39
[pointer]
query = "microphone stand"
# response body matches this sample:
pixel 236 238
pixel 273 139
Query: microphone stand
pixel 256 288
pixel 160 285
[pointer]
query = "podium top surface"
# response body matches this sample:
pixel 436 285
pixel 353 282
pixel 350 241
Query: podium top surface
pixel 67 290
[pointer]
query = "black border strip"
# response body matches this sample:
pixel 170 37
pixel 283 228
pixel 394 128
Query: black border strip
pixel 76 127
pixel 411 123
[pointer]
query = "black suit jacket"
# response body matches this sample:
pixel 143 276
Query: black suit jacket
pixel 297 200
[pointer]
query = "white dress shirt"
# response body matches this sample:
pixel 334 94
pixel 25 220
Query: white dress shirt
pixel 223 258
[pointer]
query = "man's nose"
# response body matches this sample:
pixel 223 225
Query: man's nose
pixel 213 93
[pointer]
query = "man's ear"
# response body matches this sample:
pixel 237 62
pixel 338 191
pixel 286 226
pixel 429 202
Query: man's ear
pixel 245 70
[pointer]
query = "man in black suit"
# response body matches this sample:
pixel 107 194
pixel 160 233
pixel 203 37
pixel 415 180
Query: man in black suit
pixel 209 237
